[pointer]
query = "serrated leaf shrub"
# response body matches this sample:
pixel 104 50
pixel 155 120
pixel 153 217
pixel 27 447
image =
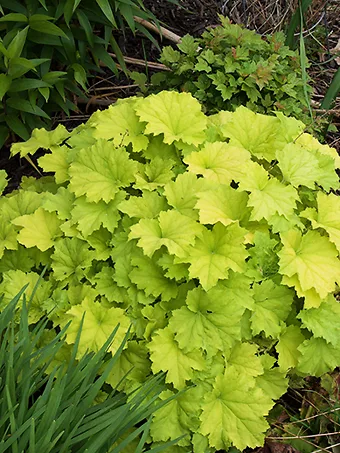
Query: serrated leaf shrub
pixel 217 237
pixel 229 66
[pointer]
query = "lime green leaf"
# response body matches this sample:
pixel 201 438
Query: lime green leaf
pixel 166 355
pixel 106 285
pixel 56 162
pixel 298 166
pixel 177 417
pixel 215 253
pixel 61 203
pixel 259 134
pixel 99 171
pixel 224 204
pixel 91 216
pixel 172 229
pixel 287 347
pixel 100 241
pixel 12 283
pixel 272 307
pixel 323 321
pixel 155 174
pixel 22 203
pixel 181 194
pixel 147 206
pixel 312 298
pixel 150 278
pixel 3 181
pixel 99 322
pixel 210 322
pixel 312 258
pixel 234 412
pixel 71 260
pixel 312 144
pixel 273 382
pixel 120 124
pixel 327 216
pixel 38 23
pixel 8 237
pixel 317 357
pixel 244 360
pixel 264 261
pixel 41 138
pixel 16 46
pixel 39 229
pixel 176 115
pixel 219 162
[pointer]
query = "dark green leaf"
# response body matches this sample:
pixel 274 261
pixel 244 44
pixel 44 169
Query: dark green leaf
pixel 14 17
pixel 25 106
pixel 86 25
pixel 102 55
pixel 17 126
pixel 295 22
pixel 4 133
pixel 17 44
pixel 44 26
pixel 5 83
pixel 54 76
pixel 127 13
pixel 45 92
pixel 105 6
pixel 27 84
pixel 332 92
pixel 80 75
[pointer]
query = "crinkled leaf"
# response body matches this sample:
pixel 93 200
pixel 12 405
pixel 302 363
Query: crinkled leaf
pixel 287 347
pixel 317 357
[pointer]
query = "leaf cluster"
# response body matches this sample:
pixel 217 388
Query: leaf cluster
pixel 64 410
pixel 48 51
pixel 229 66
pixel 216 236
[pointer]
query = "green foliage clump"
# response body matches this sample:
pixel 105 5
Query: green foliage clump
pixel 65 411
pixel 49 48
pixel 231 66
pixel 217 237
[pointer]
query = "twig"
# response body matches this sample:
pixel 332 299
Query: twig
pixel 144 63
pixel 163 32
pixel 93 100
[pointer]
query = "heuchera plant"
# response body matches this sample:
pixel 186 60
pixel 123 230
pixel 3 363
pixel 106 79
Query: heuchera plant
pixel 216 237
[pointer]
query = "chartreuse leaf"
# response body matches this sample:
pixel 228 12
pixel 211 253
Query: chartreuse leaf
pixel 219 162
pixel 264 261
pixel 272 307
pixel 327 216
pixel 154 174
pixel 317 357
pixel 150 278
pixel 233 413
pixel 298 165
pixel 312 258
pixel 287 347
pixel 172 229
pixel 39 229
pixel 166 355
pixel 215 253
pixel 57 162
pixel 71 260
pixel 224 205
pixel 178 417
pixel 181 194
pixel 60 202
pixel 99 171
pixel 311 143
pixel 147 206
pixel 323 321
pixel 98 324
pixel 120 124
pixel 209 322
pixel 14 280
pixel 273 381
pixel 8 237
pixel 91 216
pixel 41 138
pixel 19 204
pixel 244 359
pixel 176 115
pixel 259 134
pixel 311 296
pixel 3 181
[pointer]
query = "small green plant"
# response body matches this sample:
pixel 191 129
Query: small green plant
pixel 216 237
pixel 231 66
pixel 64 411
pixel 49 49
